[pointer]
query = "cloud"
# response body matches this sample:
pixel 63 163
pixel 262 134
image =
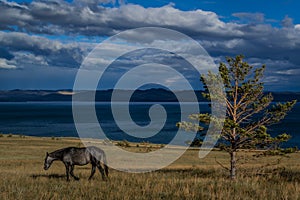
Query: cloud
pixel 93 3
pixel 289 72
pixel 60 17
pixel 250 17
pixel 297 27
pixel 5 64
pixel 31 31
pixel 287 22
pixel 53 52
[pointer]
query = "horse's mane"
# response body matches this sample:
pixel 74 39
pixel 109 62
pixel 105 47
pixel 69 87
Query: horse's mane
pixel 58 153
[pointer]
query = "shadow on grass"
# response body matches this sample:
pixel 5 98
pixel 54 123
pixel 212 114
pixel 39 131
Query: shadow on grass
pixel 203 173
pixel 289 175
pixel 49 176
pixel 280 175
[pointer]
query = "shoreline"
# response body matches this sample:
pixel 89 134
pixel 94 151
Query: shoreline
pixel 147 146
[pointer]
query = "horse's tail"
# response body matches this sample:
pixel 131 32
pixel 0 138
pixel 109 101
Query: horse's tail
pixel 105 164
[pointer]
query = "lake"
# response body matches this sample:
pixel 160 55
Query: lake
pixel 55 119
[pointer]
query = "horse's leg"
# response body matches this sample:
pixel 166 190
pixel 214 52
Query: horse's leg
pixel 67 171
pixel 93 171
pixel 101 170
pixel 72 174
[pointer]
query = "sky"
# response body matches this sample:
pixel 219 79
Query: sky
pixel 43 43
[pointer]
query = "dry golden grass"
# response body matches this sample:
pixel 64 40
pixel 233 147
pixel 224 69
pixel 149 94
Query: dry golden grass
pixel 23 177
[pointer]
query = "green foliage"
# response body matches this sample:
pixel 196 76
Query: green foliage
pixel 248 109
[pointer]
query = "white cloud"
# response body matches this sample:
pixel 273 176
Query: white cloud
pixel 289 72
pixel 55 17
pixel 271 79
pixel 297 27
pixel 42 51
pixel 5 64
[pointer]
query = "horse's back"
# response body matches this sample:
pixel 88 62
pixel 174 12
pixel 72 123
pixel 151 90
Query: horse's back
pixel 75 155
pixel 96 152
pixel 81 155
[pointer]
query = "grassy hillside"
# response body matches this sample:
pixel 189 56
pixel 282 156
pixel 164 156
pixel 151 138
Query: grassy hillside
pixel 23 177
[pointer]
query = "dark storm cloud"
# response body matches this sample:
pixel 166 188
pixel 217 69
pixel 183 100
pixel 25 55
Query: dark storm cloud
pixel 250 34
pixel 54 53
pixel 88 17
pixel 54 17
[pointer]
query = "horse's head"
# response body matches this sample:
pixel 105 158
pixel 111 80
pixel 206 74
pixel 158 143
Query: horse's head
pixel 48 161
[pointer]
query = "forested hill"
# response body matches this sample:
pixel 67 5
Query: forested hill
pixel 150 95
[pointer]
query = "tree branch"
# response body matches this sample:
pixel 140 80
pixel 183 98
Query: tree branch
pixel 221 164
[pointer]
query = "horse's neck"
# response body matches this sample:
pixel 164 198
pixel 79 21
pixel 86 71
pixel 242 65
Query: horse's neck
pixel 51 159
pixel 57 155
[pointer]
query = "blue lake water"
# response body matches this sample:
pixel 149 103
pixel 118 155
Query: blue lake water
pixel 56 119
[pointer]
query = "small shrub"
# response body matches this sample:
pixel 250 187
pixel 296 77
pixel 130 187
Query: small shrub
pixel 123 143
pixel 196 143
pixel 145 143
pixel 9 135
pixel 1 135
pixel 126 143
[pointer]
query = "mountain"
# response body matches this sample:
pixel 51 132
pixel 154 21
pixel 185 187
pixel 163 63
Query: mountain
pixel 149 95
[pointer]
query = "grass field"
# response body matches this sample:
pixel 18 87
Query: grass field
pixel 23 177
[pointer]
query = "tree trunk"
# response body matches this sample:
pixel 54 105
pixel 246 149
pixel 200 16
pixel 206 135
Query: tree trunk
pixel 232 165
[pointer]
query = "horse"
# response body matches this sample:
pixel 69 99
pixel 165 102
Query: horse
pixel 71 156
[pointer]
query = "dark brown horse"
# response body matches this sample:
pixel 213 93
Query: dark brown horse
pixel 71 156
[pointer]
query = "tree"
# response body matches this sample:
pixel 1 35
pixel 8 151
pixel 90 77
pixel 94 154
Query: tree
pixel 248 110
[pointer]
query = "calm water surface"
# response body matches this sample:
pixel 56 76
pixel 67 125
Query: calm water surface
pixel 55 119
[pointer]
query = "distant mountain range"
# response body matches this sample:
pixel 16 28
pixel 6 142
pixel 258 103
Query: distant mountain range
pixel 149 95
